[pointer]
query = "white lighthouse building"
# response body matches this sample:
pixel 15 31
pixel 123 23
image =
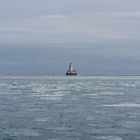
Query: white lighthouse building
pixel 71 71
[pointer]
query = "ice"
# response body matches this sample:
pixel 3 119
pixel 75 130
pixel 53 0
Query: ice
pixel 70 108
pixel 21 132
pixel 109 138
pixel 111 93
pixel 129 85
pixel 40 119
pixel 133 105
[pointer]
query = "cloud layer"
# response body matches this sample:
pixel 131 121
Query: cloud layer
pixel 67 29
pixel 100 37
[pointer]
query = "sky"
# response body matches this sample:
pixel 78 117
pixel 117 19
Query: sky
pixel 100 37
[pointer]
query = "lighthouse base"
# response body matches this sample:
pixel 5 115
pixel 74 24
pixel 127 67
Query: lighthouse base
pixel 71 74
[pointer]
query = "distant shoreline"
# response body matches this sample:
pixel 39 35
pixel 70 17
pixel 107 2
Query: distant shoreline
pixel 65 75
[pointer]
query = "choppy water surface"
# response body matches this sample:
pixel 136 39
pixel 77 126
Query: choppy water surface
pixel 69 108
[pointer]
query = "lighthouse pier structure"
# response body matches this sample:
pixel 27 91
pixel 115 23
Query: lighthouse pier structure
pixel 71 71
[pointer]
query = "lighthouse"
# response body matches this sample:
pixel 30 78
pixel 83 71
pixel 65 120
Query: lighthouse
pixel 71 71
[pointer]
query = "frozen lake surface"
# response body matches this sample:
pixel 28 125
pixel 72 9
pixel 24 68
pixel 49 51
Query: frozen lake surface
pixel 69 108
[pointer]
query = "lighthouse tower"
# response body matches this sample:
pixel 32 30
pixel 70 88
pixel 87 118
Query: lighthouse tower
pixel 71 71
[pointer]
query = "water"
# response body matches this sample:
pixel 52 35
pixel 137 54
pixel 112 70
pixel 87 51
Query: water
pixel 69 108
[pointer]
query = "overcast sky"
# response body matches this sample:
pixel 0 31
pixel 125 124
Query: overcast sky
pixel 43 36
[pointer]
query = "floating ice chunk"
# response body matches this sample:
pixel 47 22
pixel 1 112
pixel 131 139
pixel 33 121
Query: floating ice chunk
pixel 109 138
pixel 127 104
pixel 111 93
pixel 22 132
pixel 40 119
pixel 128 85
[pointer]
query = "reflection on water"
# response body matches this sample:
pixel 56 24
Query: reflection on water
pixel 69 108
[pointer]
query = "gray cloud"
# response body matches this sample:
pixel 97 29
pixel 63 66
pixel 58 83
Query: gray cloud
pixel 28 8
pixel 43 36
pixel 83 28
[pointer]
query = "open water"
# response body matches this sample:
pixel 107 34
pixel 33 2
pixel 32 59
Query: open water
pixel 69 108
